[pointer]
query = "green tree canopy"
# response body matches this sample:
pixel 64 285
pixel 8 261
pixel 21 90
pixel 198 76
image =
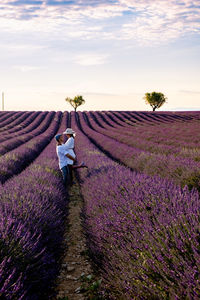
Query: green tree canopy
pixel 76 101
pixel 156 100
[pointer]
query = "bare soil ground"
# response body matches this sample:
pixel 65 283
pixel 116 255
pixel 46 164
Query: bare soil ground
pixel 75 265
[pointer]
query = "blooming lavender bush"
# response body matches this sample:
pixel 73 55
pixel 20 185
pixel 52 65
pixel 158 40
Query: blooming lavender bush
pixel 168 139
pixel 10 140
pixel 18 120
pixel 9 118
pixel 143 232
pixel 16 160
pixel 182 170
pixel 24 126
pixel 33 211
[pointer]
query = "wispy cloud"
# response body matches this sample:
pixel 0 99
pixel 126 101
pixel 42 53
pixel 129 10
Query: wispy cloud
pixel 22 47
pixel 190 92
pixel 91 59
pixel 26 68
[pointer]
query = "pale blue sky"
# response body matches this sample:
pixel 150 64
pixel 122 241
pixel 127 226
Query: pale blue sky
pixel 110 51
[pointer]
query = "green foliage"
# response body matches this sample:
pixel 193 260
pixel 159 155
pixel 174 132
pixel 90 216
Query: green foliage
pixel 156 100
pixel 76 101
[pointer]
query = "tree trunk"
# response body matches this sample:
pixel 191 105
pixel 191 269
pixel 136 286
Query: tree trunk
pixel 75 109
pixel 154 108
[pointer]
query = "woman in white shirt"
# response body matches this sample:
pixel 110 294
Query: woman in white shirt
pixel 69 132
pixel 70 141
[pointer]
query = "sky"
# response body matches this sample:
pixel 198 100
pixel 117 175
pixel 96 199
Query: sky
pixel 111 52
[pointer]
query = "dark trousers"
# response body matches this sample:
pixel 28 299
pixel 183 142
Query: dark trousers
pixel 70 174
pixel 66 175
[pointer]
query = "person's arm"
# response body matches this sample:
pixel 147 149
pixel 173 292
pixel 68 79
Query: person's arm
pixel 70 157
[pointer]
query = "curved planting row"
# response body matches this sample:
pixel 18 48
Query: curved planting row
pixel 26 126
pixel 2 114
pixel 183 134
pixel 39 125
pixel 99 118
pixel 113 120
pixel 33 212
pixel 139 139
pixel 128 137
pixel 159 117
pixel 168 116
pixel 16 160
pixel 142 232
pixel 18 121
pixel 144 118
pixel 6 114
pixel 21 126
pixel 183 171
pixel 9 122
pixel 171 138
pixel 129 121
pixel 106 121
pixel 155 118
pixel 136 117
pixel 166 133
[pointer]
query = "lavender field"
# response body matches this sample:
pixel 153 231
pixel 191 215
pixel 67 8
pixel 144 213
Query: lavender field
pixel 141 202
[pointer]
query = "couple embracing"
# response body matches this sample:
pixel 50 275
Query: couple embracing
pixel 66 155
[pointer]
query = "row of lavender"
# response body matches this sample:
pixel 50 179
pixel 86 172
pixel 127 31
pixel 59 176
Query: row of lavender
pixel 9 118
pixel 143 232
pixel 16 123
pixel 33 212
pixel 22 126
pixel 164 138
pixel 10 140
pixel 157 116
pixel 20 151
pixel 182 170
pixel 176 131
pixel 142 118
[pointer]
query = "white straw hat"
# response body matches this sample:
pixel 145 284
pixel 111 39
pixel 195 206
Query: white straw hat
pixel 69 131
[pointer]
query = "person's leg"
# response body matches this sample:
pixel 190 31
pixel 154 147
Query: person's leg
pixel 70 174
pixel 82 165
pixel 65 174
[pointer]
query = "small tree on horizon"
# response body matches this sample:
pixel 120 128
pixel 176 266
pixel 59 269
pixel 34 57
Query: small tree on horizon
pixel 156 100
pixel 76 101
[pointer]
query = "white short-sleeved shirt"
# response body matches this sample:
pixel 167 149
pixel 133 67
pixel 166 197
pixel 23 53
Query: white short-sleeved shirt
pixel 62 158
pixel 70 147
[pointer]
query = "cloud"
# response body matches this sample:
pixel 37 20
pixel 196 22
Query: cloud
pixel 26 68
pixel 101 94
pixel 91 59
pixel 161 21
pixel 22 48
pixel 142 21
pixel 24 2
pixel 190 92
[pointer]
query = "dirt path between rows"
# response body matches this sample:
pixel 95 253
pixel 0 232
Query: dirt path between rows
pixel 76 269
